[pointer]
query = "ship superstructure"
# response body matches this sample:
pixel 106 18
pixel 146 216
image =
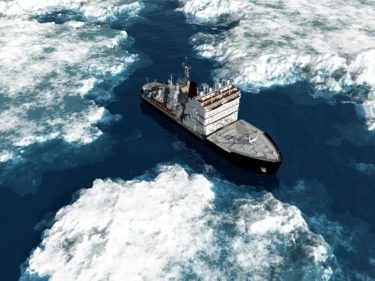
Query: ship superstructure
pixel 211 114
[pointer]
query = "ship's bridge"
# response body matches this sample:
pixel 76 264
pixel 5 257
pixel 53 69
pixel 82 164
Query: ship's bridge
pixel 219 97
pixel 212 109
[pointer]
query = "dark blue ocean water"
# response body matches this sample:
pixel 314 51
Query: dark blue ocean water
pixel 320 142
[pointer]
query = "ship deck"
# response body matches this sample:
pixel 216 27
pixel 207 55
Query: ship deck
pixel 243 138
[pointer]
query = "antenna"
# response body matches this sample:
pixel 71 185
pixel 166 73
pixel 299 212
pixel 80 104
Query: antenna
pixel 217 84
pixel 205 87
pixel 147 80
pixel 187 69
pixel 187 74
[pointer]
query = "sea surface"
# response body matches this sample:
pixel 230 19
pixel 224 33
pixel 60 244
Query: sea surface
pixel 96 185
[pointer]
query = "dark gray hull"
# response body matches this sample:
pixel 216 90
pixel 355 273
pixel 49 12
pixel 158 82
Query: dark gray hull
pixel 249 163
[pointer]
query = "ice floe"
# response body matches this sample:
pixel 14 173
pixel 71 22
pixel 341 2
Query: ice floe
pixel 50 75
pixel 87 10
pixel 330 45
pixel 367 168
pixel 181 226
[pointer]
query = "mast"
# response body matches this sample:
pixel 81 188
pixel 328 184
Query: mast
pixel 187 71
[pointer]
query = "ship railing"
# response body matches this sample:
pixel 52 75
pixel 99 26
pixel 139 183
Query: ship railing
pixel 218 104
pixel 215 94
pixel 221 97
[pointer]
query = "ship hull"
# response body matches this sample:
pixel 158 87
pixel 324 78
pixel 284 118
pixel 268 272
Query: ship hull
pixel 245 162
pixel 249 163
